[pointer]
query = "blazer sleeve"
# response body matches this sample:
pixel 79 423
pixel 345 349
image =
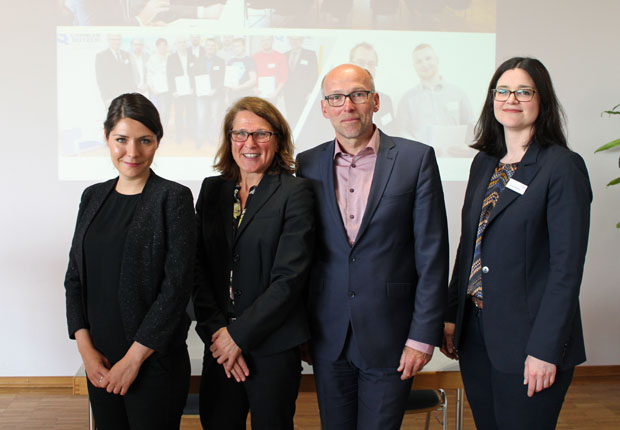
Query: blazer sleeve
pixel 430 232
pixel 168 309
pixel 209 315
pixel 568 224
pixel 76 319
pixel 289 272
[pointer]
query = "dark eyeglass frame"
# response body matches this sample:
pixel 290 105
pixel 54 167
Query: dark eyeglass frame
pixel 334 103
pixel 518 94
pixel 234 135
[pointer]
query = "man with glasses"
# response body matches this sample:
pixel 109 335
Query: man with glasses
pixel 379 279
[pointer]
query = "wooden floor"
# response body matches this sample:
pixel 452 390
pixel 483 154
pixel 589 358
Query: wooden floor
pixel 592 404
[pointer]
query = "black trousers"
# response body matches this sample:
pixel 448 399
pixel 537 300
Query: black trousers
pixel 499 400
pixel 269 393
pixel 154 401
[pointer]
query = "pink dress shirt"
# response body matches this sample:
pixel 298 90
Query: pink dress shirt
pixel 352 180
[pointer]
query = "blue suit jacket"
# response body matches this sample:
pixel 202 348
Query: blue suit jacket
pixel 390 285
pixel 533 249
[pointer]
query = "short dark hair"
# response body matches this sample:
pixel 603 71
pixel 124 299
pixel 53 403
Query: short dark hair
pixel 283 161
pixel 136 107
pixel 549 125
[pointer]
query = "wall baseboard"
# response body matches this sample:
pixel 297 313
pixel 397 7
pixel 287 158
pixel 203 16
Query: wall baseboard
pixel 36 382
pixel 78 382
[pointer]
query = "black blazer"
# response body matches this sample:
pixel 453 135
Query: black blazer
pixel 533 251
pixel 270 257
pixel 156 271
pixel 390 285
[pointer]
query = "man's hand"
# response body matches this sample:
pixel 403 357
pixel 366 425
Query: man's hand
pixel 411 362
pixel 538 375
pixel 447 347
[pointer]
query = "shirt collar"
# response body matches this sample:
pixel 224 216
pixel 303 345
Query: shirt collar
pixel 373 144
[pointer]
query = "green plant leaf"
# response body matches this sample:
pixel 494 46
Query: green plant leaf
pixel 613 111
pixel 618 225
pixel 614 182
pixel 608 145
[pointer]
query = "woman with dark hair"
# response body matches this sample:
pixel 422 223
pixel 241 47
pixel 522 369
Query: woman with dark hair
pixel 513 317
pixel 256 240
pixel 129 279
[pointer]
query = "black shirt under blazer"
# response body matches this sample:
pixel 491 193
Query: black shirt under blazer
pixel 533 250
pixel 157 267
pixel 270 256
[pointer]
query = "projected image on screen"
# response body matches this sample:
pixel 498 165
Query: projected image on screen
pixel 431 86
pixel 417 15
pixel 141 12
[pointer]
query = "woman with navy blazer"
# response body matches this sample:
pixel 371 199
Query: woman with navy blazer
pixel 129 279
pixel 256 241
pixel 513 319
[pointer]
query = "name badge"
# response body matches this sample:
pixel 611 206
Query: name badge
pixel 271 66
pixel 303 62
pixel 516 186
pixel 216 67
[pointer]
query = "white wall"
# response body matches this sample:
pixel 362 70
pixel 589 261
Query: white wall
pixel 576 40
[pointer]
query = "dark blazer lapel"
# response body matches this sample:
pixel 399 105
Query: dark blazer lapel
pixel 267 186
pixel 383 168
pixel 329 190
pixel 528 167
pixel 486 170
pixel 225 204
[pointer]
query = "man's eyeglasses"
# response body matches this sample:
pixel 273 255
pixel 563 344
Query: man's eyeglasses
pixel 357 97
pixel 259 136
pixel 523 94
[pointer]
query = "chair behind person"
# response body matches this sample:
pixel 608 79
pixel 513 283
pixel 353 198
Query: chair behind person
pixel 427 401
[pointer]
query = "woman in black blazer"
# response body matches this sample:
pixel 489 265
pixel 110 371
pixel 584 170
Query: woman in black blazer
pixel 513 318
pixel 129 279
pixel 256 239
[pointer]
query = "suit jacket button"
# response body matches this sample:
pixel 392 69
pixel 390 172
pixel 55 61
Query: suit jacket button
pixel 353 259
pixel 235 258
pixel 351 294
pixel 485 269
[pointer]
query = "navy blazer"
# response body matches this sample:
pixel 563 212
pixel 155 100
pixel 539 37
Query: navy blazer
pixel 391 284
pixel 270 257
pixel 157 264
pixel 533 251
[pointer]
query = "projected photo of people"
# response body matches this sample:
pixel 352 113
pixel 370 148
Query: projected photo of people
pixel 194 58
pixel 303 72
pixel 436 111
pixel 416 15
pixel 140 12
pixel 190 77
